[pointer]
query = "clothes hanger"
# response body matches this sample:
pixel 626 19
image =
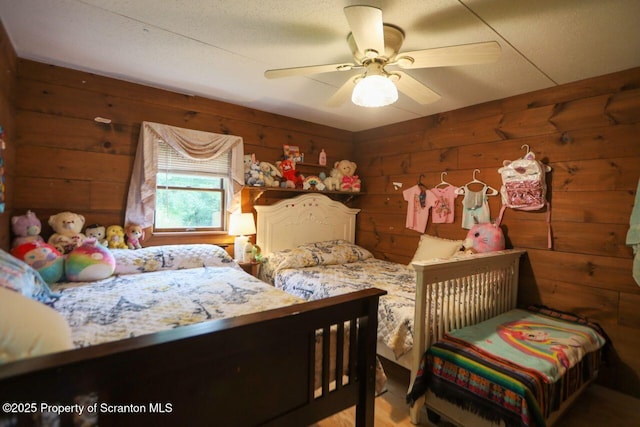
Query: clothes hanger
pixel 492 191
pixel 442 181
pixel 423 194
pixel 420 184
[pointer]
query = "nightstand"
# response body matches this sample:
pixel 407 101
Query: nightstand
pixel 250 267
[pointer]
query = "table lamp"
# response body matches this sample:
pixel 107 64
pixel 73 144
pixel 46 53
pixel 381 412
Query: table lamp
pixel 241 225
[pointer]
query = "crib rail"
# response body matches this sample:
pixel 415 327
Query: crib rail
pixel 461 292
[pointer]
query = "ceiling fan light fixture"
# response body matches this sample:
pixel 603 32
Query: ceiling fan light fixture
pixel 374 91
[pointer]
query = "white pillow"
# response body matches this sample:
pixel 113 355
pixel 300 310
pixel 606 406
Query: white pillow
pixel 431 247
pixel 171 257
pixel 29 328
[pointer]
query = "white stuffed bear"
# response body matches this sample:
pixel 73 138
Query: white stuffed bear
pixel 67 227
pixel 270 172
pixel 350 181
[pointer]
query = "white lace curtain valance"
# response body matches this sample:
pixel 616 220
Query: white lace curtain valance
pixel 192 144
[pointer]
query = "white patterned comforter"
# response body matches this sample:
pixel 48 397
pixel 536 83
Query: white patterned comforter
pixel 395 310
pixel 168 291
pixel 325 269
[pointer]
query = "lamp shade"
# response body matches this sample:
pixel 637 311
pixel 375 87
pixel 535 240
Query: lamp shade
pixel 241 224
pixel 374 91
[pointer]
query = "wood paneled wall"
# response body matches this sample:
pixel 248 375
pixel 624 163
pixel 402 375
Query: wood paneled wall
pixel 588 132
pixel 68 161
pixel 8 66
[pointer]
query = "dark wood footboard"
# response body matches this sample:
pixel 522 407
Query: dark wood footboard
pixel 250 370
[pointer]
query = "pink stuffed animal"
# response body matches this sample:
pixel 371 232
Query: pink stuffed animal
pixel 487 237
pixel 135 234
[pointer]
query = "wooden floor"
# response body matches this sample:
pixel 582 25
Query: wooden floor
pixel 598 406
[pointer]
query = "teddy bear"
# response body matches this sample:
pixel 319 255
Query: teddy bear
pixel 134 234
pixel 67 227
pixel 98 232
pixel 292 177
pixel 26 228
pixel 269 173
pixel 115 237
pixel 350 181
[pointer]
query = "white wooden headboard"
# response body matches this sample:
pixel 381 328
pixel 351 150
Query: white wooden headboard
pixel 303 219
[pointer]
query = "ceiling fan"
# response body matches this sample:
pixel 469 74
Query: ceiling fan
pixel 376 49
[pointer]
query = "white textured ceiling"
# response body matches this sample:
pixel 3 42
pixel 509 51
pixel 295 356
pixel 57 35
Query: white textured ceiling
pixel 219 49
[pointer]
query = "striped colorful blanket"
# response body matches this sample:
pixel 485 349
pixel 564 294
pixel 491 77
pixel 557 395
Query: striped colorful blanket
pixel 517 367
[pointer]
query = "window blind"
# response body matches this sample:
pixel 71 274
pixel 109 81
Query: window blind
pixel 169 160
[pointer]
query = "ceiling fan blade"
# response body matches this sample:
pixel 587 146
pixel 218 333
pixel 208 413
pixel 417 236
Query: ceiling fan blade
pixel 466 54
pixel 414 89
pixel 311 69
pixel 366 28
pixel 343 94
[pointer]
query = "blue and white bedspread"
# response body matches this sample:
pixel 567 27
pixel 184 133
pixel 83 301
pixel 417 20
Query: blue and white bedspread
pixel 320 270
pixel 167 287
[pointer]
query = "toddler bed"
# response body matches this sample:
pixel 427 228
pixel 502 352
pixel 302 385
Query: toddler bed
pixel 520 368
pixel 182 334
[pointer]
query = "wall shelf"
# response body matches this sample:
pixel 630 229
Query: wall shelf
pixel 256 192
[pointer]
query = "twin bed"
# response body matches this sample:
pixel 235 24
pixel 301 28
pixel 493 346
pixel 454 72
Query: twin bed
pixel 230 363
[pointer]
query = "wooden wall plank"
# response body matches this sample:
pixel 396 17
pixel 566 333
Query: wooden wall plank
pixel 52 193
pixel 629 313
pixel 45 130
pixel 593 303
pixel 595 271
pixel 67 164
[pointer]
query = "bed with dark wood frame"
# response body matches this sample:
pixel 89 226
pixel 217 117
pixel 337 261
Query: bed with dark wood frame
pixel 241 371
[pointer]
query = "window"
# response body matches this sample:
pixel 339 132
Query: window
pixel 190 194
pixel 193 169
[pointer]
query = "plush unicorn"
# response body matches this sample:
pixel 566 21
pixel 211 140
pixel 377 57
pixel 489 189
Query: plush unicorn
pixel 485 237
